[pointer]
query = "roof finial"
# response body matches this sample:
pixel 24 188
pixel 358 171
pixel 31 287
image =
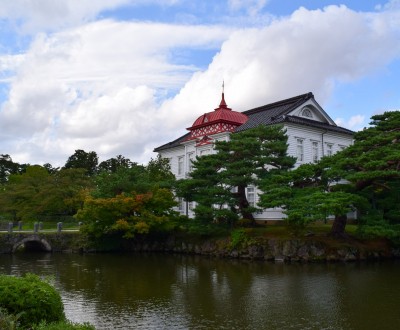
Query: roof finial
pixel 223 103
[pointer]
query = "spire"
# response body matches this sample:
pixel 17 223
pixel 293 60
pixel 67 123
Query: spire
pixel 223 103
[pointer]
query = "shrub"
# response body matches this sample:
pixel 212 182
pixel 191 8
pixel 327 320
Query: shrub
pixel 32 299
pixel 8 321
pixel 67 325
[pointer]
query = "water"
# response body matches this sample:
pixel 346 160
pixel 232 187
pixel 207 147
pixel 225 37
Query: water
pixel 157 291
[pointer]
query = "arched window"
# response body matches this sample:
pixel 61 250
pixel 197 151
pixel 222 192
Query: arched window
pixel 307 113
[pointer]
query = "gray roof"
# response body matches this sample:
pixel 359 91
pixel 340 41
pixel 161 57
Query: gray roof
pixel 274 113
pixel 172 144
pixel 270 113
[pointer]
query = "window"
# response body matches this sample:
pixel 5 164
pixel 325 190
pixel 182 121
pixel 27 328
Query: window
pixel 306 113
pixel 341 147
pixel 315 151
pixel 190 161
pixel 300 150
pixel 251 196
pixel 181 204
pixel 191 206
pixel 329 149
pixel 204 152
pixel 180 165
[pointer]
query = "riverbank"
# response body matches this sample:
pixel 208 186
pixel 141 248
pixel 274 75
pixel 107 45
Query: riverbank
pixel 274 249
pixel 240 245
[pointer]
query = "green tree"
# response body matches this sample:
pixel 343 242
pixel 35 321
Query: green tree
pixel 17 199
pixel 110 184
pixel 159 171
pixel 37 194
pixel 372 166
pixel 50 168
pixel 63 193
pixel 310 193
pixel 8 167
pixel 212 197
pixel 127 214
pixel 135 177
pixel 134 199
pixel 365 176
pixel 218 182
pixel 83 159
pixel 113 164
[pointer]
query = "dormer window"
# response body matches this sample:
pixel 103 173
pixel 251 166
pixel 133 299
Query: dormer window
pixel 307 113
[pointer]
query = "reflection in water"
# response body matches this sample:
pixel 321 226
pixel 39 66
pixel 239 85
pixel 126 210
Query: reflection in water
pixel 157 291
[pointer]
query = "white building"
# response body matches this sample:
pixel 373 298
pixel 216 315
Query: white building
pixel 311 135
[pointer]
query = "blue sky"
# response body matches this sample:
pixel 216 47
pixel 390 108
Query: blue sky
pixel 125 76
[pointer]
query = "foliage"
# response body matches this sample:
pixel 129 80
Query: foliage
pixel 372 165
pixel 310 193
pixel 158 171
pixel 83 159
pixel 127 214
pixel 110 184
pixel 380 229
pixel 207 189
pixel 218 182
pixel 113 164
pixel 138 178
pixel 8 167
pixel 240 238
pixel 63 325
pixel 364 176
pixel 50 168
pixel 31 298
pixel 7 320
pixel 38 194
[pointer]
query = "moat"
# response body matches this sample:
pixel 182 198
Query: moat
pixel 160 291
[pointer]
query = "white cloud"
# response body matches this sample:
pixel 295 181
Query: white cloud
pixel 354 123
pixel 308 51
pixel 253 7
pixel 35 15
pixel 100 87
pixel 95 87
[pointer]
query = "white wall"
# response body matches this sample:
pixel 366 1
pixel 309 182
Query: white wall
pixel 307 134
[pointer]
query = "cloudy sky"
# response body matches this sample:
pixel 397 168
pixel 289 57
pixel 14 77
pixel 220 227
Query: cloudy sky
pixel 125 76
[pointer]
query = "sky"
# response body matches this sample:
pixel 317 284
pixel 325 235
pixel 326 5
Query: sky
pixel 121 77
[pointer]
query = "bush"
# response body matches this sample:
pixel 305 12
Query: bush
pixel 240 238
pixel 67 325
pixel 8 321
pixel 31 299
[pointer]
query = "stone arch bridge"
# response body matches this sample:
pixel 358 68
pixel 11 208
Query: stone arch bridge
pixel 46 242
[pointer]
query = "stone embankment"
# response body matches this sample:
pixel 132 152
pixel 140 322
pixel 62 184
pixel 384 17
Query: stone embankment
pixel 291 250
pixel 269 249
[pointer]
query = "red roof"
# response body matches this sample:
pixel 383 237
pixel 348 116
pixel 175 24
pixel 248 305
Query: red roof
pixel 220 114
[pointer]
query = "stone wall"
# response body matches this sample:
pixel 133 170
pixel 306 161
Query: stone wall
pixel 278 250
pixel 289 250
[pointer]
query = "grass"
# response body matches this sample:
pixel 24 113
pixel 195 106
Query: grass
pixel 283 231
pixel 319 232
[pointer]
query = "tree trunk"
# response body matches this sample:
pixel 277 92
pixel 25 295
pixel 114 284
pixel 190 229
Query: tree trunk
pixel 338 226
pixel 244 204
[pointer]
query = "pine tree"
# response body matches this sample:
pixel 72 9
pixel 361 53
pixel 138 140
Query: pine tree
pixel 218 182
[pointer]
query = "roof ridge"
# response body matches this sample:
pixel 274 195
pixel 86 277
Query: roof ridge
pixel 171 143
pixel 302 97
